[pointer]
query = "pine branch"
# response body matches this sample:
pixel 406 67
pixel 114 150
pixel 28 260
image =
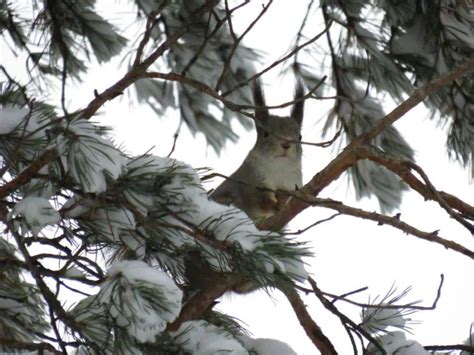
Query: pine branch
pixel 27 174
pixel 56 310
pixel 348 156
pixel 137 70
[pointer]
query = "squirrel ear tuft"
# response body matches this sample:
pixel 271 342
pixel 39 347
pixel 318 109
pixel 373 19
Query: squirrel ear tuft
pixel 298 107
pixel 261 112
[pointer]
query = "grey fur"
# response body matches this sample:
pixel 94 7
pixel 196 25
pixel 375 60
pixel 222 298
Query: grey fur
pixel 273 163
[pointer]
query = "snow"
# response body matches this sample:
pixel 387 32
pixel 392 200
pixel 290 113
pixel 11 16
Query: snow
pixel 37 212
pixel 11 118
pixel 144 318
pixel 459 32
pixel 414 42
pixel 201 338
pixel 92 158
pixel 262 346
pixel 73 271
pixel 397 343
pixel 27 121
pixel 113 223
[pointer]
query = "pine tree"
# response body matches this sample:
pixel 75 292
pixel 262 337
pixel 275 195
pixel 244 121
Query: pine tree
pixel 97 244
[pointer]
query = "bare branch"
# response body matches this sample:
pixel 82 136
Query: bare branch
pixel 402 169
pixel 392 221
pixel 440 198
pixel 313 331
pixel 381 219
pixel 207 35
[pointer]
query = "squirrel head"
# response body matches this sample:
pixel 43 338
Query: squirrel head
pixel 278 137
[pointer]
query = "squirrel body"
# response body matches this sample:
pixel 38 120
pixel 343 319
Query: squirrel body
pixel 272 166
pixel 258 186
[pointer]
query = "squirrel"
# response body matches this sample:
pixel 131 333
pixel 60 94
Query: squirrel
pixel 257 187
pixel 273 164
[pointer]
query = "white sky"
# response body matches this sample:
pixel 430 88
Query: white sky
pixel 349 253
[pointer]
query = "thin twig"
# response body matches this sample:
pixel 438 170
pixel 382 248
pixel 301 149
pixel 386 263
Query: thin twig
pixel 403 169
pixel 469 349
pixel 343 318
pixel 392 306
pixel 150 24
pixel 208 36
pixel 274 64
pixel 312 225
pixel 237 40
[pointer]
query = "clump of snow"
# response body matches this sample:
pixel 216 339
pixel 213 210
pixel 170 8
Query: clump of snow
pixel 140 298
pixel 37 212
pixel 90 157
pixel 262 346
pixel 397 343
pixel 201 338
pixel 414 42
pixel 11 118
pixel 113 222
pixel 22 121
pixel 73 271
pixel 461 33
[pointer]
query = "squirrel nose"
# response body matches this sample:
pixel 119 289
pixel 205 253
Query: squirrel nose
pixel 286 145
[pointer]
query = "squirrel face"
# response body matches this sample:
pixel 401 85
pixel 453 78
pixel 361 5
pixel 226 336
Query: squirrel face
pixel 273 163
pixel 279 138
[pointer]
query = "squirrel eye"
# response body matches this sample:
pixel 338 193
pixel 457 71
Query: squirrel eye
pixel 299 137
pixel 266 134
